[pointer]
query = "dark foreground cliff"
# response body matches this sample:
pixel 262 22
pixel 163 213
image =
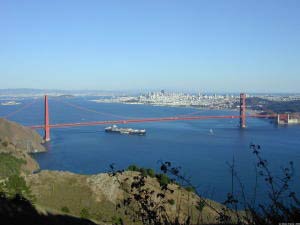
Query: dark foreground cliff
pixel 18 210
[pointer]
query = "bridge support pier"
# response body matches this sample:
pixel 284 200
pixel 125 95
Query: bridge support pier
pixel 46 125
pixel 242 110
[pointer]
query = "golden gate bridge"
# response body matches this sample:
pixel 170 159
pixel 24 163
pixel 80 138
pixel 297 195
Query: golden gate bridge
pixel 47 126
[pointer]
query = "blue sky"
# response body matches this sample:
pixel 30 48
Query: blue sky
pixel 209 45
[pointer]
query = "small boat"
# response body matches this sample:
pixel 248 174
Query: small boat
pixel 211 131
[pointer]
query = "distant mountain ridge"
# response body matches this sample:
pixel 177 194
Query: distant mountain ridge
pixel 32 91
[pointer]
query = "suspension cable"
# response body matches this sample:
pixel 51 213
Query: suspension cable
pixel 114 115
pixel 21 109
pixel 93 111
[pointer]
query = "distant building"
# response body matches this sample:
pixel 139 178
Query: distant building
pixel 286 119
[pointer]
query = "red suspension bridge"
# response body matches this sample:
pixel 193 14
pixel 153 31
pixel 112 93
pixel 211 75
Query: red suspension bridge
pixel 47 126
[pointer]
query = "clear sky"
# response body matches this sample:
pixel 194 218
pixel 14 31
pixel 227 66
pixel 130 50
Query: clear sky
pixel 202 45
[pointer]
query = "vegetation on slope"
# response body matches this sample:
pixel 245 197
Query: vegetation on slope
pixel 9 165
pixel 70 194
pixel 257 103
pixel 11 182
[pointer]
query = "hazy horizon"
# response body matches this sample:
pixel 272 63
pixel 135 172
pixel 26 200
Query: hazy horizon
pixel 136 91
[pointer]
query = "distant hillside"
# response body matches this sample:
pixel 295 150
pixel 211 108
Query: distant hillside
pixel 13 135
pixel 19 92
pixel 257 103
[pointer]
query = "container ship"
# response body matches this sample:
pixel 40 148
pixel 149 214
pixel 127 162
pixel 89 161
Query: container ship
pixel 115 129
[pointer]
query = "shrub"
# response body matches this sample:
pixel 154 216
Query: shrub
pixel 190 189
pixel 84 213
pixel 143 172
pixel 133 168
pixel 117 220
pixel 65 209
pixel 5 143
pixel 163 179
pixel 171 201
pixel 150 172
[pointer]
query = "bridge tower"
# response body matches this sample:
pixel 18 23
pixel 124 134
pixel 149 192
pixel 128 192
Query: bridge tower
pixel 46 126
pixel 243 110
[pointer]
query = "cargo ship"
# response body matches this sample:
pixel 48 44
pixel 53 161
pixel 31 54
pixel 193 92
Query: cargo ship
pixel 116 129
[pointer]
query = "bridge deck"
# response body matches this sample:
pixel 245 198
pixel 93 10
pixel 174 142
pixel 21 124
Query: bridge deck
pixel 163 119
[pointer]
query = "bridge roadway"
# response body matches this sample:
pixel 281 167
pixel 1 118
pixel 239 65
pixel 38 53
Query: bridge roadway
pixel 163 119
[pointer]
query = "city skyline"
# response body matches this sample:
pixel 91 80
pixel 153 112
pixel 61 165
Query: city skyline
pixel 224 46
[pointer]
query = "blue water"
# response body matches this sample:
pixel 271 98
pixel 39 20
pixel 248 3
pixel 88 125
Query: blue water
pixel 202 155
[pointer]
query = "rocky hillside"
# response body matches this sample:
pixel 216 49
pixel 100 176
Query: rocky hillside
pixel 98 195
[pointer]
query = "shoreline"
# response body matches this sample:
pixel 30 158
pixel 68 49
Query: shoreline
pixel 178 106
